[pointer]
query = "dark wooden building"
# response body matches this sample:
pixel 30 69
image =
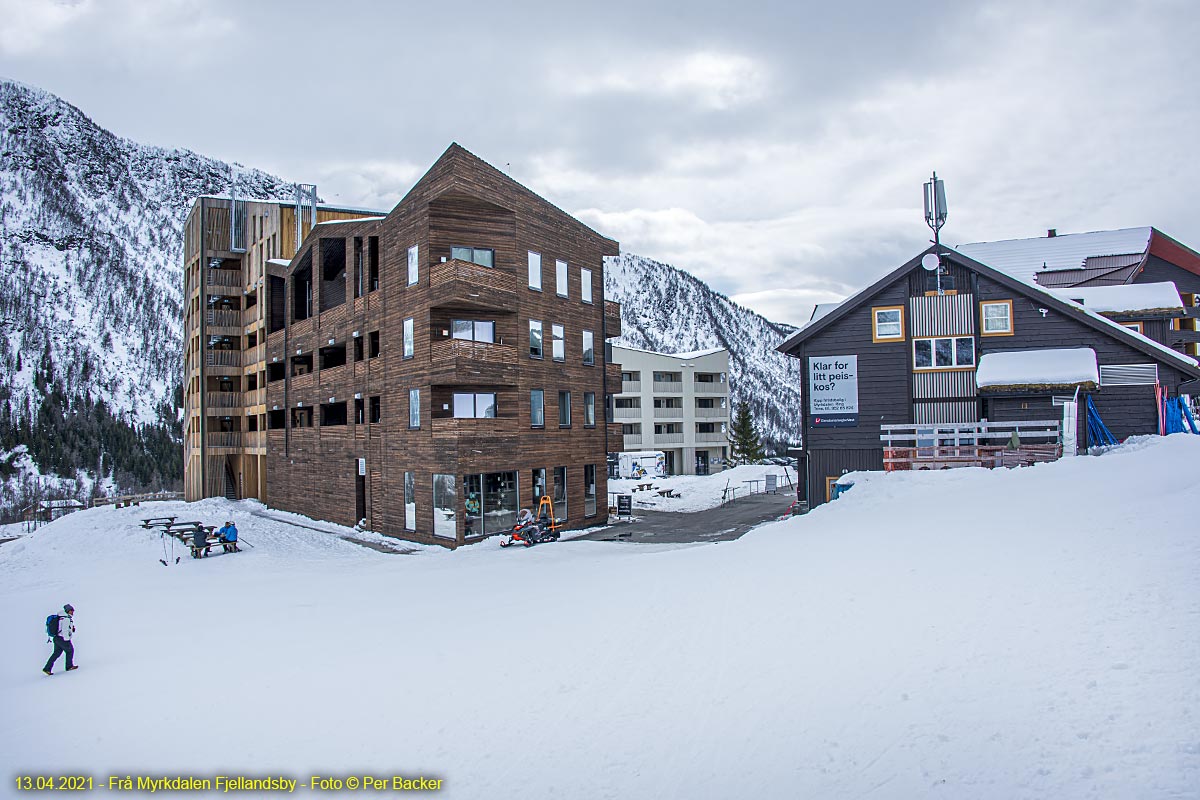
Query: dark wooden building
pixel 905 352
pixel 436 370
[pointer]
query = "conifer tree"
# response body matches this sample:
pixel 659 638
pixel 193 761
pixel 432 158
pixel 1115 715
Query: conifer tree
pixel 745 444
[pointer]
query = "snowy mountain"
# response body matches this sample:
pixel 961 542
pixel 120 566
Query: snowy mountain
pixel 91 235
pixel 668 310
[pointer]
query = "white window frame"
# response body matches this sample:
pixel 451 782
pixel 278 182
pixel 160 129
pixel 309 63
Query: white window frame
pixel 983 317
pixel 414 264
pixel 585 285
pixel 953 349
pixel 560 277
pixel 535 271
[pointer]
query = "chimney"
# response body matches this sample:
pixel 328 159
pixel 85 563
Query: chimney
pixel 1050 234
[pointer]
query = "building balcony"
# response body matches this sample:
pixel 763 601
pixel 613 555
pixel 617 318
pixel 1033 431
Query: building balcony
pixel 301 382
pixel 471 432
pixel 668 413
pixel 627 413
pixel 225 282
pixel 463 284
pixel 668 387
pixel 219 322
pixel 250 316
pixel 630 440
pixel 224 440
pixel 463 362
pixel 254 440
pixel 711 413
pixel 223 358
pixel 221 403
pixel 612 319
pixel 668 438
pixel 710 388
pixel 255 356
pixel 334 378
pixel 723 438
pixel 631 387
pixel 255 397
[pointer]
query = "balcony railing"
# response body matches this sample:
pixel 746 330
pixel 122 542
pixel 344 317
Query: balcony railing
pixel 255 397
pixel 712 437
pixel 458 361
pixel 250 315
pixel 631 387
pixel 673 387
pixel 223 400
pixel 223 358
pixel 254 439
pixel 627 413
pixel 484 352
pixel 668 438
pixel 225 439
pixel 971 444
pixel 704 387
pixel 255 355
pixel 228 278
pixel 632 440
pixel 711 413
pixel 224 319
pixel 668 413
pixel 466 282
pixel 470 429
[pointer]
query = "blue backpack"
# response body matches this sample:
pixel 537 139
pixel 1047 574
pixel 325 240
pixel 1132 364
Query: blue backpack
pixel 52 625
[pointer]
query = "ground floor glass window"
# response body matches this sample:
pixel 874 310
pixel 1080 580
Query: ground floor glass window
pixel 560 492
pixel 445 506
pixel 589 490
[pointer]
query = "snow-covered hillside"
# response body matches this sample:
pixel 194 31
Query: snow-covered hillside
pixel 90 253
pixel 1024 633
pixel 666 309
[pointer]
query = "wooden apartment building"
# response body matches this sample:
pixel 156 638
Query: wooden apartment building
pixel 435 370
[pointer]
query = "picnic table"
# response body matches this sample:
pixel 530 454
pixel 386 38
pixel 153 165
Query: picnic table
pixel 668 493
pixel 643 487
pixel 158 522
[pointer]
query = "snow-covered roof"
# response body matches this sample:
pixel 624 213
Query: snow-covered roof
pixel 1023 258
pixel 341 221
pixel 1065 367
pixel 680 356
pixel 1127 298
pixel 280 262
pixel 821 309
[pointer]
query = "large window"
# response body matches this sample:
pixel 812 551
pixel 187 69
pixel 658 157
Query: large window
pixel 560 492
pixel 997 318
pixel 408 338
pixel 589 490
pixel 479 405
pixel 483 256
pixel 445 506
pixel 410 502
pixel 535 338
pixel 413 264
pixel 535 270
pixel 537 408
pixel 888 323
pixel 944 353
pixel 474 330
pixel 589 351
pixel 585 285
pixel 589 409
pixel 564 409
pixel 414 408
pixel 560 278
pixel 558 343
pixel 538 485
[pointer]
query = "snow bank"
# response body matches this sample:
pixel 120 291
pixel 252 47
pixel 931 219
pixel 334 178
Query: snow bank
pixel 1066 367
pixel 701 492
pixel 1012 633
pixel 1125 298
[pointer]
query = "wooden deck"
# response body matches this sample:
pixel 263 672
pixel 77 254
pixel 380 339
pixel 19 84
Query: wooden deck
pixel 975 444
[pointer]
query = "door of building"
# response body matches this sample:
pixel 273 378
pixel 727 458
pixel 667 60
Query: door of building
pixel 702 462
pixel 360 498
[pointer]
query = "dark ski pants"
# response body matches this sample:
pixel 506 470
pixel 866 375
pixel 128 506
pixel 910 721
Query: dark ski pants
pixel 61 646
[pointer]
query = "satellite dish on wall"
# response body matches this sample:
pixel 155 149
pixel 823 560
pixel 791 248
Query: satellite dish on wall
pixel 930 261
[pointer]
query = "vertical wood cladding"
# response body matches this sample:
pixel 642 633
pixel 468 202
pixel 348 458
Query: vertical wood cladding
pixel 460 202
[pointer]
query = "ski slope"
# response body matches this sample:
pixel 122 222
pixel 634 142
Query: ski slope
pixel 1006 634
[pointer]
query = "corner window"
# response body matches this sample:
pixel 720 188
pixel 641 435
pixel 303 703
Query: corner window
pixel 408 338
pixel 537 408
pixel 560 278
pixel 564 409
pixel 944 353
pixel 997 318
pixel 535 270
pixel 414 408
pixel 483 256
pixel 589 353
pixel 559 346
pixel 481 405
pixel 535 338
pixel 413 264
pixel 585 285
pixel 474 330
pixel 887 324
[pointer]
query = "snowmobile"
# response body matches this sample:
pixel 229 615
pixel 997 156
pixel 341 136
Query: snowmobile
pixel 530 530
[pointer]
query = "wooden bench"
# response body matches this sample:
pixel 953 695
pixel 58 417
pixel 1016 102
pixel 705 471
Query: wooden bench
pixel 158 522
pixel 668 493
pixel 213 541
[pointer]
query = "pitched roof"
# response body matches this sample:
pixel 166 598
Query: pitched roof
pixel 1024 258
pixel 1067 308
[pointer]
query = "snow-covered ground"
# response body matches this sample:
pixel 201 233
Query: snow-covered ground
pixel 700 492
pixel 1026 633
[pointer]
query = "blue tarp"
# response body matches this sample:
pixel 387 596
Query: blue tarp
pixel 1098 432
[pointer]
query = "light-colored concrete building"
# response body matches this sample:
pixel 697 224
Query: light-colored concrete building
pixel 677 403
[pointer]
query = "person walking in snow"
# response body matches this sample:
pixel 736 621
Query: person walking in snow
pixel 62 640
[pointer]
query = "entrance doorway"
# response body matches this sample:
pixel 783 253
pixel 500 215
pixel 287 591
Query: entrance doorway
pixel 360 498
pixel 702 462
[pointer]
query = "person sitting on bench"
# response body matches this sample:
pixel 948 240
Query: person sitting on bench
pixel 200 545
pixel 228 536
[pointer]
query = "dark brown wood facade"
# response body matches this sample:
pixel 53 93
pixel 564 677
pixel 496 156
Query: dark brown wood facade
pixel 462 202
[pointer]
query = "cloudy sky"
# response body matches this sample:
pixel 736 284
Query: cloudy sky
pixel 775 150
